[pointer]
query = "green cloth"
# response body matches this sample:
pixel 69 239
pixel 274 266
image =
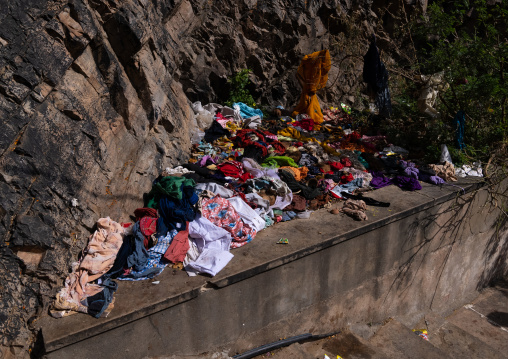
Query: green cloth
pixel 279 161
pixel 167 186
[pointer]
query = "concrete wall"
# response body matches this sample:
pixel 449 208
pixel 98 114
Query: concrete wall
pixel 436 259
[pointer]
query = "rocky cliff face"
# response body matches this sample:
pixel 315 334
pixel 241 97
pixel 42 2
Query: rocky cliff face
pixel 95 100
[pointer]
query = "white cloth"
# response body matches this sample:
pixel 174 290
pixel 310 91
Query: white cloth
pixel 263 208
pixel 179 170
pixel 248 215
pixel 475 170
pixel 209 248
pixel 227 112
pixel 429 93
pixel 216 189
pixel 252 122
pixel 257 171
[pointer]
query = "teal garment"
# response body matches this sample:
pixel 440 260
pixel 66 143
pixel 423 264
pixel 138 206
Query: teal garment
pixel 248 112
pixel 362 160
pixel 170 186
pixel 279 161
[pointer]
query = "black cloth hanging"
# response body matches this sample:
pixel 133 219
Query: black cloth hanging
pixel 376 77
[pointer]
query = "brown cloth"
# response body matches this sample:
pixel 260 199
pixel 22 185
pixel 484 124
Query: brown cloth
pixel 355 209
pixel 298 204
pixel 446 171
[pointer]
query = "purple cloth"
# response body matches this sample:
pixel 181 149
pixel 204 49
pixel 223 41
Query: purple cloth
pixel 407 183
pixel 425 177
pixel 412 171
pixel 379 180
pixel 204 159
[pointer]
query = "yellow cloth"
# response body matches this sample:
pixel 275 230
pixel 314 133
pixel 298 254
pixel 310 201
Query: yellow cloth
pixel 294 133
pixel 313 75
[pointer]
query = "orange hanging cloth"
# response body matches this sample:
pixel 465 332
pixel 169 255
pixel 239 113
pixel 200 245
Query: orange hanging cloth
pixel 312 75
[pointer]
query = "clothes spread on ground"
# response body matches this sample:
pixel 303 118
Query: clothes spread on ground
pixel 209 248
pixel 222 213
pixel 156 261
pixel 248 171
pixel 80 293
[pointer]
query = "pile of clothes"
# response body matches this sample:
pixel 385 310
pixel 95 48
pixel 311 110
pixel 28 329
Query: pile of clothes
pixel 246 173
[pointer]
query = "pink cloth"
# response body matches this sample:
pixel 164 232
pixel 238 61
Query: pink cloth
pixel 221 212
pixel 100 254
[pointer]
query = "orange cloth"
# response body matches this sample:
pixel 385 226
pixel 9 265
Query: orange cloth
pixel 313 75
pixel 299 173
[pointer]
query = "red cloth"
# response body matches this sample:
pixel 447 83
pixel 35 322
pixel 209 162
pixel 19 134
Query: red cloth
pixel 243 140
pixel 145 212
pixel 147 226
pixel 336 166
pixel 353 137
pixel 346 178
pixel 220 116
pixel 346 162
pixel 179 246
pixel 245 177
pixel 231 169
pixel 307 124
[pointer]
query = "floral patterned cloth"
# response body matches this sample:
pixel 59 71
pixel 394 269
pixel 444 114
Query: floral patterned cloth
pixel 221 212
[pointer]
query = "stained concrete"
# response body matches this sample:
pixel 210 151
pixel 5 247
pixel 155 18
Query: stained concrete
pixel 430 249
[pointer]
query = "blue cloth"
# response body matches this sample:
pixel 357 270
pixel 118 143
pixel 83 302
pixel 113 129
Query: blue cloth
pixel 351 186
pixel 138 254
pixel 121 260
pixel 460 119
pixel 246 111
pixel 98 303
pixel 288 215
pixel 175 213
pixel 156 263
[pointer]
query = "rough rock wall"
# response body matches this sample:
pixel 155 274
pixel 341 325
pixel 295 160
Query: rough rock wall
pixel 95 100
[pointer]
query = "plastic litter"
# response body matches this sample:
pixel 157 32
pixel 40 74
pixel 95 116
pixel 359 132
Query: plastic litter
pixel 445 154
pixel 474 170
pixel 422 333
pixel 283 241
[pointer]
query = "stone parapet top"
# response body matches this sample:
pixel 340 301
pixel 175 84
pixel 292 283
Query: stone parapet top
pixel 135 300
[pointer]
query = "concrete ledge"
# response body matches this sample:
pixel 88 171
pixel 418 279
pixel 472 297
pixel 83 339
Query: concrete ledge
pixel 322 232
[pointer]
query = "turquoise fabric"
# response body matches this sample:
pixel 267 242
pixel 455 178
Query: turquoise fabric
pixel 246 111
